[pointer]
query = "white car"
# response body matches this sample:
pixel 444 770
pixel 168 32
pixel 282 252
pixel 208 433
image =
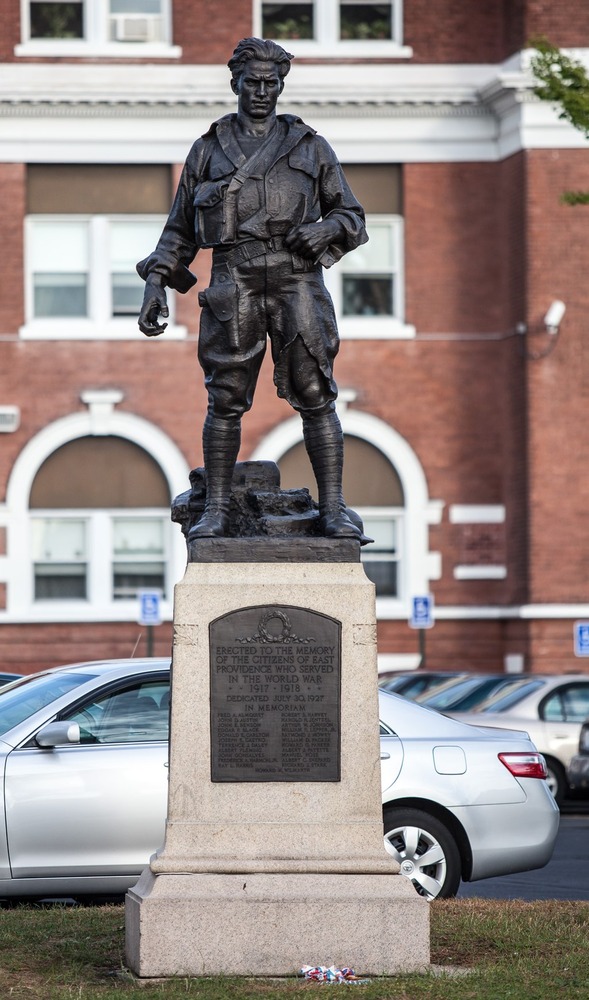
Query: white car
pixel 84 753
pixel 551 710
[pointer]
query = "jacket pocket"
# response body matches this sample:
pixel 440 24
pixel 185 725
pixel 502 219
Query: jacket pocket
pixel 208 216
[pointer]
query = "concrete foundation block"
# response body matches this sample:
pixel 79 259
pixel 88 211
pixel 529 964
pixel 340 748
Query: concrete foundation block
pixel 271 925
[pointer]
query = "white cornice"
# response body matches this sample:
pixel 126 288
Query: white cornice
pixel 75 83
pixel 60 112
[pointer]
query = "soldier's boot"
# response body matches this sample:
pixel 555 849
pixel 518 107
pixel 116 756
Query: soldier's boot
pixel 221 439
pixel 324 442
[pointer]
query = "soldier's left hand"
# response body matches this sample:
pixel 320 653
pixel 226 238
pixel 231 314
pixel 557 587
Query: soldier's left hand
pixel 312 238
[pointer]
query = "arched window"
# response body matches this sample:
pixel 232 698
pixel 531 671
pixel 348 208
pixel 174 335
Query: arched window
pixel 99 513
pixel 373 488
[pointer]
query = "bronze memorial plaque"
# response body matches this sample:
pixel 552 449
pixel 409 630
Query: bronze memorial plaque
pixel 275 695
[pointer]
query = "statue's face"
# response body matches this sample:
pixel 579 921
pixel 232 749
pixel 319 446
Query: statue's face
pixel 258 88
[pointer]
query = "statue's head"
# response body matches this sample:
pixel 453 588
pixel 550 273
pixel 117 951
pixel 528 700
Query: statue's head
pixel 259 50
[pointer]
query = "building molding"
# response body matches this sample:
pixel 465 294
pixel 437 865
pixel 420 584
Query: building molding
pixel 433 113
pixel 398 451
pixel 15 513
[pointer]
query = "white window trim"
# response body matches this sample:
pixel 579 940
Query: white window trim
pixel 419 510
pixel 99 558
pixel 327 45
pixel 396 514
pixel 473 513
pixel 100 325
pixel 96 43
pixel 374 327
pixel 16 566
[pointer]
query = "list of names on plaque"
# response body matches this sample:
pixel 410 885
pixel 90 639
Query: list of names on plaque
pixel 275 695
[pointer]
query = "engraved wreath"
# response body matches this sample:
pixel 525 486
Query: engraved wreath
pixel 285 635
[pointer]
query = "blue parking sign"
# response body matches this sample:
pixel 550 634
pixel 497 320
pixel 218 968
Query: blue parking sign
pixel 422 611
pixel 581 638
pixel 149 607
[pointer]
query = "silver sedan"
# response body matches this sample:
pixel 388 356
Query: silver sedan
pixel 84 753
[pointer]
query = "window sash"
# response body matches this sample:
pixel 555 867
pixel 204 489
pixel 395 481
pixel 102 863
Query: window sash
pixel 100 571
pixel 328 16
pixel 59 549
pixel 137 714
pixel 374 277
pixel 67 17
pixel 84 266
pixel 382 559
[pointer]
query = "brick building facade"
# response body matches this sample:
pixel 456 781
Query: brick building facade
pixel 466 444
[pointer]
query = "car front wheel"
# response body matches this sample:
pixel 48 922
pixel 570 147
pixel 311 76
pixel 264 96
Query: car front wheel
pixel 425 850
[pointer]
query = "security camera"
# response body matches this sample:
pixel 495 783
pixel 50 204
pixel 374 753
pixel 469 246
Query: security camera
pixel 553 317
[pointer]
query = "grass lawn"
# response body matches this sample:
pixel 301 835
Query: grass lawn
pixel 527 951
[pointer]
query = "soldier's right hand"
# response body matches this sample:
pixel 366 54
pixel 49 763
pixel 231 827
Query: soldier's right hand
pixel 155 304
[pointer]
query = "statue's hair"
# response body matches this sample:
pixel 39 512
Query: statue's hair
pixel 261 49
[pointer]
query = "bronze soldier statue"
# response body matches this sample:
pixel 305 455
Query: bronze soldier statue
pixel 269 196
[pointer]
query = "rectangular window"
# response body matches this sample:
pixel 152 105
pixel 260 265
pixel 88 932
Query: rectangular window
pixel 285 21
pixel 368 275
pixel 59 265
pixel 333 27
pixel 362 20
pixel 127 245
pixel 98 27
pixel 138 556
pixel 73 559
pixel 60 558
pixel 367 284
pixel 81 278
pixel 57 19
pixel 381 557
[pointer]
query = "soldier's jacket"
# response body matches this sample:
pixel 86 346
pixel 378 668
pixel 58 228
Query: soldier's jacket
pixel 222 201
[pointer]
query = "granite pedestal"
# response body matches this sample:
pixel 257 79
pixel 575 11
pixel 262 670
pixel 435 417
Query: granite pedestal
pixel 260 874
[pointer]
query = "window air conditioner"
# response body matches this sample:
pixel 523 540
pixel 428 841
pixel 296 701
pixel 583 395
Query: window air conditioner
pixel 136 29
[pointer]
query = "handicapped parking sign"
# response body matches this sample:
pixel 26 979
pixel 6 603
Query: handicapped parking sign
pixel 149 607
pixel 422 611
pixel 581 638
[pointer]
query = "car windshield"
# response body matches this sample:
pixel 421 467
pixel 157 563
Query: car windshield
pixel 33 694
pixel 464 694
pixel 512 697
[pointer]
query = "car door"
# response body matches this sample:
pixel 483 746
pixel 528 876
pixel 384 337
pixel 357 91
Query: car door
pixel 563 712
pixel 97 807
pixel 391 757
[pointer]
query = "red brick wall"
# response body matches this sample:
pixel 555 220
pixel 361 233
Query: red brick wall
pixel 159 379
pixel 209 31
pixel 478 645
pixel 12 210
pixel 464 279
pixel 558 384
pixel 10 33
pixel 456 274
pixel 27 649
pixel 451 31
pixel 565 23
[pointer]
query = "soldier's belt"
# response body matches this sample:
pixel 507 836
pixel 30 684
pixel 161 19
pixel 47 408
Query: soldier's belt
pixel 241 252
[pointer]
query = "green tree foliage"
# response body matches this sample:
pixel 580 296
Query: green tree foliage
pixel 564 82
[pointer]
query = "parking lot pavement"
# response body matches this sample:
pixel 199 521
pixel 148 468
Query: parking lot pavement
pixel 565 877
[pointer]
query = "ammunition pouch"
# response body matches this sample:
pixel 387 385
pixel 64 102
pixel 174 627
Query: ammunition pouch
pixel 208 204
pixel 222 299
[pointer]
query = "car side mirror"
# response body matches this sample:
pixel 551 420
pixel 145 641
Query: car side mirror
pixel 57 734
